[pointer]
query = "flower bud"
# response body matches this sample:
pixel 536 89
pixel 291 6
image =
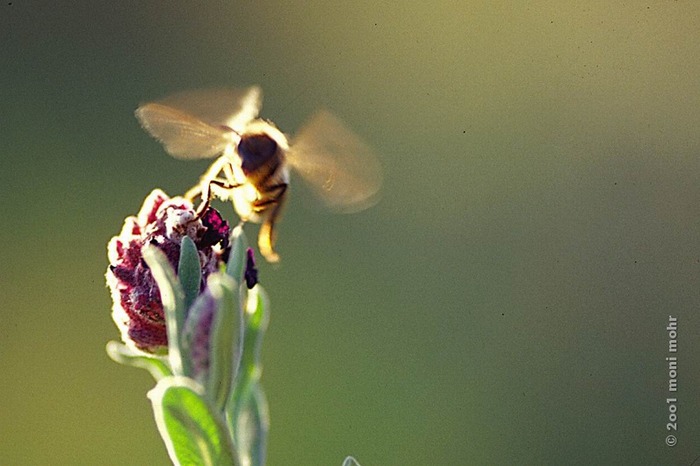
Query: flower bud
pixel 162 222
pixel 251 273
pixel 197 333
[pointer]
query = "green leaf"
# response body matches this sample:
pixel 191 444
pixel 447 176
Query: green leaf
pixel 189 270
pixel 173 298
pixel 252 425
pixel 256 320
pixel 224 340
pixel 246 410
pixel 156 365
pixel 193 433
pixel 237 258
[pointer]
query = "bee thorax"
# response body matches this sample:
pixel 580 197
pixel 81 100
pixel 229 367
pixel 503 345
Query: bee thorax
pixel 256 151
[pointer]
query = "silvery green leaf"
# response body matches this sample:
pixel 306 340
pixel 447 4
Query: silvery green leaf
pixel 189 270
pixel 173 299
pixel 246 410
pixel 193 433
pixel 224 340
pixel 237 258
pixel 252 425
pixel 156 365
pixel 255 323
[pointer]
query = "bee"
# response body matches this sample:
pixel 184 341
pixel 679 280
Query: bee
pixel 254 157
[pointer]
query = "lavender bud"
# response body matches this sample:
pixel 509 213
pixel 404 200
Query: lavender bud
pixel 251 273
pixel 162 222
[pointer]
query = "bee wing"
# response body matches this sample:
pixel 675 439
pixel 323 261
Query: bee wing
pixel 228 107
pixel 200 123
pixel 184 136
pixel 342 170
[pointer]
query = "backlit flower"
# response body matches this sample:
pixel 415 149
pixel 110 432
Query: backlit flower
pixel 162 222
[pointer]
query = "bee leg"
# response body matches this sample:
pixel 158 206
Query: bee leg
pixel 268 234
pixel 206 196
pixel 201 189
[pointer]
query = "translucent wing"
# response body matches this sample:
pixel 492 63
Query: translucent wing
pixel 183 136
pixel 201 123
pixel 342 170
pixel 228 107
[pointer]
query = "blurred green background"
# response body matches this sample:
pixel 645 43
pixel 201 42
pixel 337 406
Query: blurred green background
pixel 505 302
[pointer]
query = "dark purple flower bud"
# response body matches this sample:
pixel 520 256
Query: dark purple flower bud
pixel 217 229
pixel 162 222
pixel 251 273
pixel 198 333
